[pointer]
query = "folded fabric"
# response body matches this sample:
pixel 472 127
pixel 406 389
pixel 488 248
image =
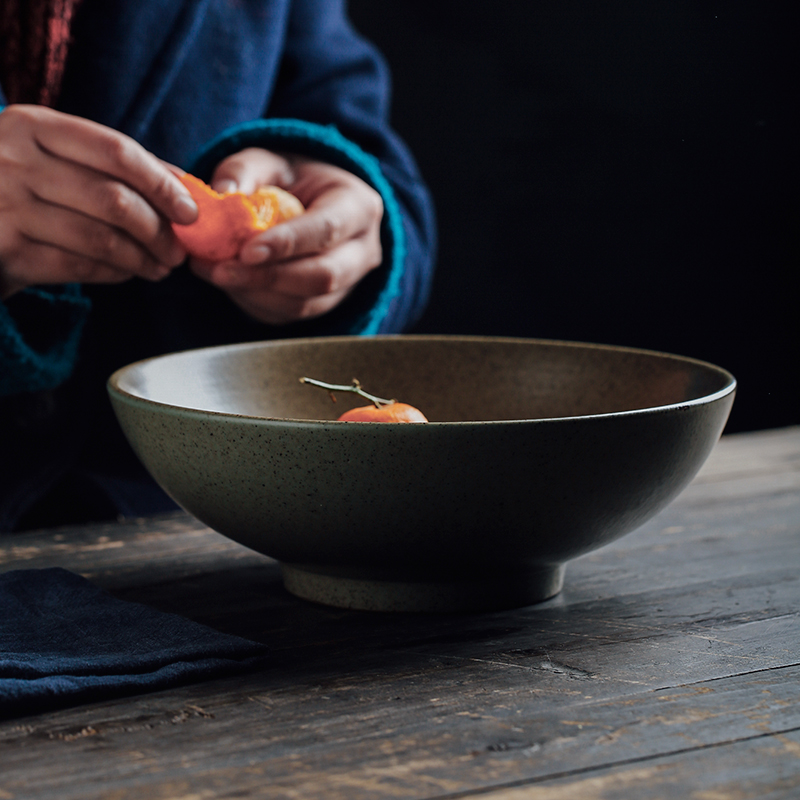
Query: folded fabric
pixel 64 641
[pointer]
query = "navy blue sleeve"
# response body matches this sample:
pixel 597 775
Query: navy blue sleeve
pixel 329 100
pixel 331 75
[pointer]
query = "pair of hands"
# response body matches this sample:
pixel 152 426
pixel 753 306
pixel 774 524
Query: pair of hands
pixel 82 203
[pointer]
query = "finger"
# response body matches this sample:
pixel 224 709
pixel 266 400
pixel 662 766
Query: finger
pixel 95 195
pixel 39 263
pixel 263 303
pixel 279 309
pixel 90 239
pixel 337 216
pixel 215 272
pixel 248 169
pixel 331 272
pixel 115 154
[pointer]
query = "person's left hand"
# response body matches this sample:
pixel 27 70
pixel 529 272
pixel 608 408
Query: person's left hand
pixel 306 266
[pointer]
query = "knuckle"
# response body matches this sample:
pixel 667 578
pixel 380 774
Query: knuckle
pixel 291 308
pixel 118 202
pixel 326 278
pixel 303 308
pixel 86 270
pixel 16 116
pixel 374 204
pixel 108 246
pixel 331 226
pixel 116 149
pixel 286 243
pixel 162 186
pixel 375 255
pixel 8 156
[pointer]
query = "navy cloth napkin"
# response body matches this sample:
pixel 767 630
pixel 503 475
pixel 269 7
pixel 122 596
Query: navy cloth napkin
pixel 63 641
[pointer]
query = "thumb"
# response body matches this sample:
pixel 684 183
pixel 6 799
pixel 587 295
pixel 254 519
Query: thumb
pixel 248 169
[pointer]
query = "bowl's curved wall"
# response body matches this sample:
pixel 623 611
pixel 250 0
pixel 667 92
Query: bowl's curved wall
pixel 412 502
pixel 449 378
pixel 533 491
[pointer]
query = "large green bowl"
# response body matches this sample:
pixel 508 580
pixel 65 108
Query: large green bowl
pixel 536 452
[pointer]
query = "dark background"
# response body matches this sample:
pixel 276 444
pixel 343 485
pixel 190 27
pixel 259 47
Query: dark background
pixel 616 172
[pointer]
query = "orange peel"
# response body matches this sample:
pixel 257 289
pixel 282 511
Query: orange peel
pixel 226 221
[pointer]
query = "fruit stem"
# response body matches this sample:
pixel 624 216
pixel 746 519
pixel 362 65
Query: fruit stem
pixel 353 388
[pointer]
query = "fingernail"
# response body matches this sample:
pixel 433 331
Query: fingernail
pixel 185 208
pixel 224 186
pixel 255 254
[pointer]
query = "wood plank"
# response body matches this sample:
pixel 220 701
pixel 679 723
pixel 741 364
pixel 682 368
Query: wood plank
pixel 424 734
pixel 732 772
pixel 760 453
pixel 129 552
pixel 553 658
pixel 670 658
pixel 251 603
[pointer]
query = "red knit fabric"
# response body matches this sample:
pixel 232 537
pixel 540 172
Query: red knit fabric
pixel 34 37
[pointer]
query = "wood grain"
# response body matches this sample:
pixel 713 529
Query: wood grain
pixel 668 667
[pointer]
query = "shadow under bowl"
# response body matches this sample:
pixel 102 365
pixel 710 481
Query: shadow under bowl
pixel 536 452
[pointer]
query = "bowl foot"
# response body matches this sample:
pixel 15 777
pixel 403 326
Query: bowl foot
pixel 472 593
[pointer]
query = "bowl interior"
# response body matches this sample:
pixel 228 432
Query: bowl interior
pixel 451 379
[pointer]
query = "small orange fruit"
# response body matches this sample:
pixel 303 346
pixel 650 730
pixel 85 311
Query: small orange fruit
pixel 391 412
pixel 226 221
pixel 380 411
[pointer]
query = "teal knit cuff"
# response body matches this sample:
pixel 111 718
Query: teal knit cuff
pixel 28 367
pixel 325 143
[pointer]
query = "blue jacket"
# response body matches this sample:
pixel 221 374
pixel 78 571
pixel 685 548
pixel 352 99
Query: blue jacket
pixel 193 81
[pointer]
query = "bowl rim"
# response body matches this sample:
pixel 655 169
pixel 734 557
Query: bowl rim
pixel 113 387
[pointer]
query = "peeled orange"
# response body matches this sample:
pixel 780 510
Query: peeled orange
pixel 226 221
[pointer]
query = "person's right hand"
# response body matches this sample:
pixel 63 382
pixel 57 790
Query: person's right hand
pixel 80 202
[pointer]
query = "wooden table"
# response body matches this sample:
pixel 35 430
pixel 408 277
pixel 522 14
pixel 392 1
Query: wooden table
pixel 668 667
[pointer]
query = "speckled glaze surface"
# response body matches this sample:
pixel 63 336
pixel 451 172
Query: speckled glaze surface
pixel 536 452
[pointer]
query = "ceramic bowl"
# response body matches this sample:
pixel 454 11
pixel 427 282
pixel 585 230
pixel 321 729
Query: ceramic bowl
pixel 536 452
